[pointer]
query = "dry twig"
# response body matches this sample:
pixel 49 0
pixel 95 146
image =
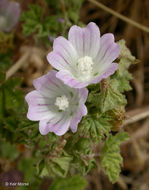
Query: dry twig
pixel 136 115
pixel 17 65
pixel 32 54
pixel 120 16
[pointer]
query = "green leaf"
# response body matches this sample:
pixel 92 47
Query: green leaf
pixel 79 147
pixel 27 165
pixel 122 76
pixel 121 84
pixel 5 61
pixel 75 6
pixel 110 99
pixel 120 80
pixel 58 166
pixel 125 52
pixel 63 164
pixel 70 183
pixel 14 96
pixel 83 163
pixel 6 44
pixel 25 124
pixel 110 155
pixel 92 101
pixel 95 128
pixel 83 144
pixel 9 151
pixel 32 19
pixel 11 123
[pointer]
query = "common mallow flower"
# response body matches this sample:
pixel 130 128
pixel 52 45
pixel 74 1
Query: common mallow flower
pixel 9 14
pixel 57 106
pixel 85 57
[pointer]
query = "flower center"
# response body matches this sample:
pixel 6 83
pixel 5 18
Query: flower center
pixel 85 67
pixel 62 102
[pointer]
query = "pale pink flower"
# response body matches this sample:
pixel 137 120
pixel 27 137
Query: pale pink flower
pixel 57 106
pixel 84 58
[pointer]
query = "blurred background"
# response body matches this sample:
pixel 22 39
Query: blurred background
pixel 23 51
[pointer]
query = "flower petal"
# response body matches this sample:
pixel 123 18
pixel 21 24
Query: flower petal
pixel 85 40
pixel 65 76
pixel 63 55
pixel 64 47
pixel 57 61
pixel 43 127
pixel 109 50
pixel 82 111
pixel 60 127
pixel 39 106
pixel 109 71
pixel 48 85
pixel 83 92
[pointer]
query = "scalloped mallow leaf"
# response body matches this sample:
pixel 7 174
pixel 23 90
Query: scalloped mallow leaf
pixel 111 159
pixel 95 128
pixel 110 99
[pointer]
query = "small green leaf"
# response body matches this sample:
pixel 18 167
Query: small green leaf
pixel 122 76
pixel 110 155
pixel 11 123
pixel 58 166
pixel 63 163
pixel 110 99
pixel 75 6
pixel 95 128
pixel 83 144
pixel 121 84
pixel 70 183
pixel 14 96
pixel 32 19
pixel 124 51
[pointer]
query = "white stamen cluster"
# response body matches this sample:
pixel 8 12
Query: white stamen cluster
pixel 62 102
pixel 85 67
